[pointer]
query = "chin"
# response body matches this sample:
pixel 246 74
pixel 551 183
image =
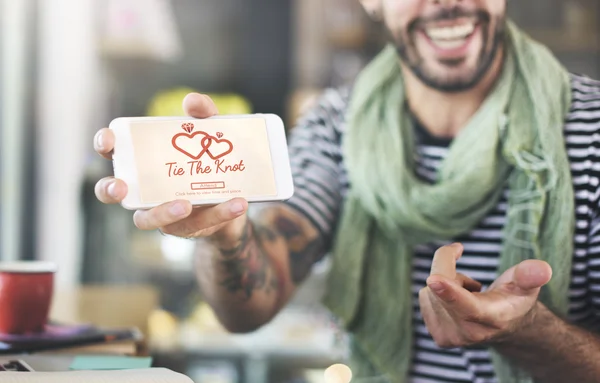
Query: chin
pixel 451 82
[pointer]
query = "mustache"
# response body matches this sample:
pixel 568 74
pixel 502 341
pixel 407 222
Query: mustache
pixel 450 14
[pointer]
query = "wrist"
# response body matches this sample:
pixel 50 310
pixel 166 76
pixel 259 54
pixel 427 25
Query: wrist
pixel 527 327
pixel 232 236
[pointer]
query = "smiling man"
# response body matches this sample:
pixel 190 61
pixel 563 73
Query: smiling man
pixel 455 186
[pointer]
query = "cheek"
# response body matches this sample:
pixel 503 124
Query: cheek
pixel 496 8
pixel 399 13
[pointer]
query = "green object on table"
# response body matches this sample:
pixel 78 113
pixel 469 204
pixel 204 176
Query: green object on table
pixel 110 363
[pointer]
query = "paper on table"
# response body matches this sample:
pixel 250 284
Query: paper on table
pixel 149 375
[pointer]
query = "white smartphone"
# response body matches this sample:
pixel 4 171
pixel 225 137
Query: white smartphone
pixel 205 161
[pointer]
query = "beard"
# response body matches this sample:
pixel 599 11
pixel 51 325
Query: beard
pixel 492 41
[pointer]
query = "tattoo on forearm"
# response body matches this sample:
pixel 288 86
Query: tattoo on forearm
pixel 246 267
pixel 303 251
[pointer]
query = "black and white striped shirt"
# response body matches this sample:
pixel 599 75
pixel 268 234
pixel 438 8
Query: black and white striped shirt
pixel 321 184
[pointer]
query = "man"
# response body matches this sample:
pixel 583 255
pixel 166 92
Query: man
pixel 463 136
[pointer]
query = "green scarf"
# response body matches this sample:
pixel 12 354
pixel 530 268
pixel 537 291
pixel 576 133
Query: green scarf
pixel 516 136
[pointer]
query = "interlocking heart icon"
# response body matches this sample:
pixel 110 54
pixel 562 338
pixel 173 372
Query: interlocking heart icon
pixel 196 144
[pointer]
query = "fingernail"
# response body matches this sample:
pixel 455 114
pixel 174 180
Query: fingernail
pixel 437 287
pixel 99 142
pixel 177 210
pixel 112 189
pixel 237 208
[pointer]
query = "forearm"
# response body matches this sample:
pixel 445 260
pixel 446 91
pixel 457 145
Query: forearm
pixel 239 280
pixel 248 280
pixel 552 350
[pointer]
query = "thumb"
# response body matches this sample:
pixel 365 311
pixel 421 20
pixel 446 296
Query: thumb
pixel 531 275
pixel 199 106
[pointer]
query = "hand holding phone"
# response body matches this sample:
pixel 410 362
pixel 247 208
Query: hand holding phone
pixel 165 167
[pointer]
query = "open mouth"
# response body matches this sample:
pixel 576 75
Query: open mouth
pixel 451 37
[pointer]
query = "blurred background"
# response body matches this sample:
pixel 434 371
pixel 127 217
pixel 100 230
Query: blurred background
pixel 69 67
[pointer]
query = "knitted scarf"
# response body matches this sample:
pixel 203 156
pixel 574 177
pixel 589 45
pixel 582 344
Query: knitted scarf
pixel 515 137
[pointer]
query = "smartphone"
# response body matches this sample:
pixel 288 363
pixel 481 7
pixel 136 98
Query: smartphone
pixel 205 161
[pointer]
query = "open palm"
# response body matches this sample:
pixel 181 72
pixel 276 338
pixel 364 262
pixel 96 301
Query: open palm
pixel 458 314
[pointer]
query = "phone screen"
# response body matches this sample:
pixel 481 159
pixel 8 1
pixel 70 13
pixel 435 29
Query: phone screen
pixel 203 159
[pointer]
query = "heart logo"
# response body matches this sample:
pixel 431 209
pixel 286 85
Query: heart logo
pixel 194 145
pixel 219 148
pixel 190 144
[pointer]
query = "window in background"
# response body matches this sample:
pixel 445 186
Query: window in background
pixel 17 155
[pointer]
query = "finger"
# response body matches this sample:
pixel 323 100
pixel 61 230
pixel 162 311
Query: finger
pixel 162 215
pixel 531 275
pixel 110 190
pixel 444 260
pixel 454 297
pixel 203 219
pixel 199 106
pixel 104 142
pixel 468 283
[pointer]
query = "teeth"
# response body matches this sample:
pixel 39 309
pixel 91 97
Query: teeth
pixel 449 44
pixel 458 32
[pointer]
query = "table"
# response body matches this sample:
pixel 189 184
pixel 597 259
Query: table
pixel 298 338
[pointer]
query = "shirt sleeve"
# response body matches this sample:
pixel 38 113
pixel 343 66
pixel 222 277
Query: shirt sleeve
pixel 583 142
pixel 315 158
pixel 592 268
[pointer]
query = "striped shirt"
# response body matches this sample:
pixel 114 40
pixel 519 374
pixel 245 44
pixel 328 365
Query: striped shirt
pixel 321 184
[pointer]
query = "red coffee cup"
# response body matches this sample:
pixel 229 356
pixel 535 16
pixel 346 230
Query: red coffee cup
pixel 25 296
